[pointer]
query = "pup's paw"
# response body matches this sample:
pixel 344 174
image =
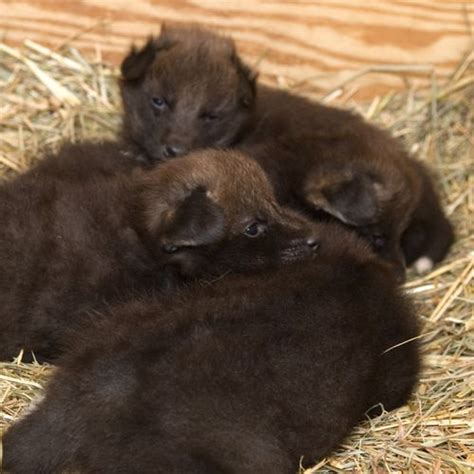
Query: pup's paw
pixel 423 265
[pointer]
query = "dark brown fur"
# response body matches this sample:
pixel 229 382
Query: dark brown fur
pixel 321 159
pixel 244 376
pixel 78 232
pixel 202 81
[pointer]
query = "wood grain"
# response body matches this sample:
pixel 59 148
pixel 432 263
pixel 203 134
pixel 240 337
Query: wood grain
pixel 313 46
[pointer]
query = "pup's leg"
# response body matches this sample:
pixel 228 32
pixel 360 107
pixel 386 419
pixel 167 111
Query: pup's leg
pixel 426 241
pixel 398 364
pixel 397 376
pixel 42 442
pixel 430 234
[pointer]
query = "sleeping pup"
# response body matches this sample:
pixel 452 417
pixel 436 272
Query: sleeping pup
pixel 246 375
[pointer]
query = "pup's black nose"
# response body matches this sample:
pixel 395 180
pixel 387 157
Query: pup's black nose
pixel 169 248
pixel 170 151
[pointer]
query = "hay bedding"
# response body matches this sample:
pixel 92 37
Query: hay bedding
pixel 47 97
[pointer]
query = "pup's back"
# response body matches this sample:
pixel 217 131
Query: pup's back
pixel 66 243
pixel 246 375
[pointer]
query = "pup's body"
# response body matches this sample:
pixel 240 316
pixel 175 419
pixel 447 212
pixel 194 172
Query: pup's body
pixel 331 160
pixel 188 88
pixel 81 162
pixel 78 232
pixel 244 376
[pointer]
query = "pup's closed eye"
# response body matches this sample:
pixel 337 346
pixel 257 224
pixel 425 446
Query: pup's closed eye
pixel 208 116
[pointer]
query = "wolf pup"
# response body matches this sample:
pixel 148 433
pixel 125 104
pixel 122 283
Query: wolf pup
pixel 184 90
pixel 187 88
pixel 247 375
pixel 74 239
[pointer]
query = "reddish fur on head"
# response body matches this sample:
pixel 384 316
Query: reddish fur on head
pixel 230 179
pixel 206 200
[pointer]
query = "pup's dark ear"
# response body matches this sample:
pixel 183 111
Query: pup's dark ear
pixel 248 77
pixel 354 200
pixel 197 220
pixel 137 62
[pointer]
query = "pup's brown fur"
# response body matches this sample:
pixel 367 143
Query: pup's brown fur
pixel 78 232
pixel 246 375
pixel 200 78
pixel 319 158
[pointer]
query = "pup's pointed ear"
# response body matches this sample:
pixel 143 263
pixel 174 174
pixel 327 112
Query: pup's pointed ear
pixel 246 71
pixel 248 77
pixel 353 199
pixel 138 60
pixel 196 220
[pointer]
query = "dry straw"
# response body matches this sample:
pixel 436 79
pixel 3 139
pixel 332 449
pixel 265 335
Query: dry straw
pixel 48 96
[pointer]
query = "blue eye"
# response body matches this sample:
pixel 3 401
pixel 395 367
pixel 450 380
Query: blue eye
pixel 159 103
pixel 254 230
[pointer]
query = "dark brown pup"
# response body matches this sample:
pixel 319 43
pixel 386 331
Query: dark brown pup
pixel 187 88
pixel 183 90
pixel 78 232
pixel 243 376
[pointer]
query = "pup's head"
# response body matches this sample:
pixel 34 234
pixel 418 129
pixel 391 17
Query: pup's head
pixel 377 201
pixel 185 89
pixel 214 211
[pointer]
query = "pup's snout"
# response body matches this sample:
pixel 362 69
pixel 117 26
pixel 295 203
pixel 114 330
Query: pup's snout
pixel 170 151
pixel 299 248
pixel 312 242
pixel 305 244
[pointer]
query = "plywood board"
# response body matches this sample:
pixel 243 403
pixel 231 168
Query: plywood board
pixel 313 46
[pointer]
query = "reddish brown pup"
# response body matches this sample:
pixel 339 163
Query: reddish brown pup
pixel 243 376
pixel 187 89
pixel 78 232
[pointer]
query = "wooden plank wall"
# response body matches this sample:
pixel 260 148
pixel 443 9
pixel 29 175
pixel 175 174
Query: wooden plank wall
pixel 312 46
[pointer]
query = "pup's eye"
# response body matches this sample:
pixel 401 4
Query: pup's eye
pixel 246 102
pixel 169 248
pixel 255 229
pixel 159 103
pixel 378 240
pixel 208 116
